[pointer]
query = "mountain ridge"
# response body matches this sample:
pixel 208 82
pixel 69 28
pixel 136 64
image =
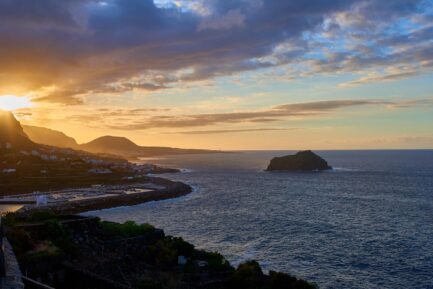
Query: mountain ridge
pixel 46 136
pixel 125 147
pixel 111 145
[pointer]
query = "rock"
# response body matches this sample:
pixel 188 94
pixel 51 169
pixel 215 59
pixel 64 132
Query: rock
pixel 302 161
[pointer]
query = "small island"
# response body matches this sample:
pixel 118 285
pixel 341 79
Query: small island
pixel 301 161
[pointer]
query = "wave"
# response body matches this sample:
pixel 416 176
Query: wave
pixel 193 195
pixel 344 170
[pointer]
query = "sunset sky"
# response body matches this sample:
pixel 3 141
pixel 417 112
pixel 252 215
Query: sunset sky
pixel 223 74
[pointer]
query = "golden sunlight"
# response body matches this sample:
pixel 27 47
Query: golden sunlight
pixel 12 102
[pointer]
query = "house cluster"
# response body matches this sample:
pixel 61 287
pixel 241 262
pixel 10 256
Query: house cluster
pixel 41 155
pixel 77 159
pixel 58 154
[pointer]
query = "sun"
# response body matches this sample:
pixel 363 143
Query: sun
pixel 13 102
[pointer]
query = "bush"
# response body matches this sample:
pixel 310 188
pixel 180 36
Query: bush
pixel 216 261
pixel 59 235
pixel 162 253
pixel 44 250
pixel 9 219
pixel 127 229
pixel 21 241
pixel 248 275
pixel 40 216
pixel 285 281
pixel 181 246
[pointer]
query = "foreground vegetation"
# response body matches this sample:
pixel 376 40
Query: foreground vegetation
pixel 79 252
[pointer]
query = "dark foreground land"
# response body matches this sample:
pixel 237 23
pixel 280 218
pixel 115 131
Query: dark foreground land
pixel 70 251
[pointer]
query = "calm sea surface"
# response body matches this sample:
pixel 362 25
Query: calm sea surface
pixel 366 224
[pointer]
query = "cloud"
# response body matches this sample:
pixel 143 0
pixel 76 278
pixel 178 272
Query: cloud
pixel 233 18
pixel 276 113
pixel 225 131
pixel 78 48
pixel 163 119
pixel 379 78
pixel 426 102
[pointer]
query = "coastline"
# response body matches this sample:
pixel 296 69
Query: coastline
pixel 171 190
pixel 54 234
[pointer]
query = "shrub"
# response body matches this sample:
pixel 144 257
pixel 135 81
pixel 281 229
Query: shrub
pixel 285 281
pixel 181 246
pixel 43 250
pixel 127 229
pixel 248 275
pixel 9 219
pixel 60 235
pixel 216 261
pixel 40 216
pixel 21 241
pixel 162 253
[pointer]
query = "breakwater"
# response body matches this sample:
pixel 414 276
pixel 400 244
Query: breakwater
pixel 167 190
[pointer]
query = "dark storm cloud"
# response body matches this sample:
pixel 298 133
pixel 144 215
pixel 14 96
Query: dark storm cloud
pixel 77 47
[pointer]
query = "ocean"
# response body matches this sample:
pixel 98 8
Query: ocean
pixel 366 224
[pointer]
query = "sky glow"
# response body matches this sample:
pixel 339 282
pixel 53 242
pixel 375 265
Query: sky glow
pixel 215 74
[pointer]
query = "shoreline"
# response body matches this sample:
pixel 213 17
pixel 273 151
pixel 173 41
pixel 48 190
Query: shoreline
pixel 171 190
pixel 56 232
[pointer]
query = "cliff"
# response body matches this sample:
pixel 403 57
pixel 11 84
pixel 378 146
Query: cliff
pixel 11 132
pixel 45 136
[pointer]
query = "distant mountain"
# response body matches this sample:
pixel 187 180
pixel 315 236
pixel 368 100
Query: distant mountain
pixel 122 146
pixel 110 145
pixel 11 132
pixel 42 135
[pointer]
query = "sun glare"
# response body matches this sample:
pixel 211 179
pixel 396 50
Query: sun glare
pixel 12 102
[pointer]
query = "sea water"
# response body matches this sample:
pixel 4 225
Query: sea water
pixel 366 224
